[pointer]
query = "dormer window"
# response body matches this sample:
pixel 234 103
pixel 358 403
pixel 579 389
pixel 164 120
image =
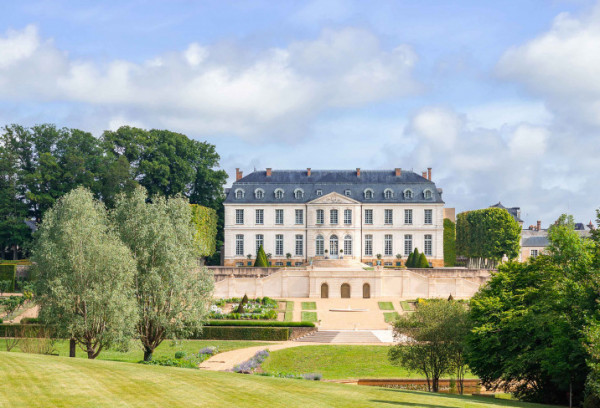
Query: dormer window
pixel 428 194
pixel 388 193
pixel 259 193
pixel 347 193
pixel 239 193
pixel 279 194
pixel 298 193
pixel 319 193
pixel 368 194
pixel 408 194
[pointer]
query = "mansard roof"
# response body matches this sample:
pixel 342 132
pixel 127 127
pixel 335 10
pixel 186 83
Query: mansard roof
pixel 323 182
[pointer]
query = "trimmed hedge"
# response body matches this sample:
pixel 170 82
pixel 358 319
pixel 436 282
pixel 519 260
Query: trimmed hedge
pixel 8 272
pixel 257 323
pixel 243 333
pixel 20 330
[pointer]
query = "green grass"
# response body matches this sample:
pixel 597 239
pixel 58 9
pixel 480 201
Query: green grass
pixel 46 381
pixel 289 311
pixel 385 305
pixel 390 317
pixel 166 349
pixel 309 306
pixel 405 306
pixel 309 317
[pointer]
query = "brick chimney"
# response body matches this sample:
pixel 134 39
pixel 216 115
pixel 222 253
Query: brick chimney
pixel 429 173
pixel 398 172
pixel 269 172
pixel 539 225
pixel 424 174
pixel 238 174
pixel 308 173
pixel 357 172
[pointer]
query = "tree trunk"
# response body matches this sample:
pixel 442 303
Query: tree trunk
pixel 147 354
pixel 90 353
pixel 435 384
pixel 72 348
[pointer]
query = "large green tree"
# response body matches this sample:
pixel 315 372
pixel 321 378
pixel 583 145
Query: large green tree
pixel 84 275
pixel 172 292
pixel 449 242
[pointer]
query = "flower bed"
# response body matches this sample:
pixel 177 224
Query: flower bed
pixel 255 309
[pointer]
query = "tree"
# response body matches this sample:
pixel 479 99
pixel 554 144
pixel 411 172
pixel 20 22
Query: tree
pixel 449 242
pixel 84 275
pixel 409 261
pixel 172 293
pixel 261 258
pixel 204 220
pixel 423 262
pixel 434 344
pixel 530 321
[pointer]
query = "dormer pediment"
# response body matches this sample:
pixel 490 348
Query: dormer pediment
pixel 333 198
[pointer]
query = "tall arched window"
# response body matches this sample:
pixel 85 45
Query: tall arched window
pixel 319 245
pixel 347 245
pixel 239 193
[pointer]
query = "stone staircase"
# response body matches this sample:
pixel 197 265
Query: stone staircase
pixel 333 336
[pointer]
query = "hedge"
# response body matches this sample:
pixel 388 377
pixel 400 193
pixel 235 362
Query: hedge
pixel 19 330
pixel 243 333
pixel 257 323
pixel 8 272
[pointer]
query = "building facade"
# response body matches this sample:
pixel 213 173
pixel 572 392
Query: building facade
pixel 299 215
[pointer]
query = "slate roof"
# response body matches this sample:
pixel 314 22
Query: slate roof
pixel 514 211
pixel 329 181
pixel 537 241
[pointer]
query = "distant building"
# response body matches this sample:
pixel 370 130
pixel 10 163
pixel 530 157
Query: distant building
pixel 514 211
pixel 534 239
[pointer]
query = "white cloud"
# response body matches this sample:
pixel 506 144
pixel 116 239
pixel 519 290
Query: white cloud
pixel 208 89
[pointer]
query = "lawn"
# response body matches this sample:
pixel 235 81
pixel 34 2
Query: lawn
pixel 30 380
pixel 385 305
pixel 390 317
pixel 166 349
pixel 337 362
pixel 405 305
pixel 309 317
pixel 309 306
pixel 289 311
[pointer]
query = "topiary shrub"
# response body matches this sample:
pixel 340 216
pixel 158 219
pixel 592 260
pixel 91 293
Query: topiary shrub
pixel 240 308
pixel 261 259
pixel 423 263
pixel 409 261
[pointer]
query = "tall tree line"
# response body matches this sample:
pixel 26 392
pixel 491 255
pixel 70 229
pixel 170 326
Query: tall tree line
pixel 40 164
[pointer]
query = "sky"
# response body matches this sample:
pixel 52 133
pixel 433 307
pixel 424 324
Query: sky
pixel 501 99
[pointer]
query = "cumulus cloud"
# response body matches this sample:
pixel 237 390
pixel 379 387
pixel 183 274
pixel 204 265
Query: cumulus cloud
pixel 206 89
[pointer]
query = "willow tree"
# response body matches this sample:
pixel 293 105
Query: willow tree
pixel 172 292
pixel 84 275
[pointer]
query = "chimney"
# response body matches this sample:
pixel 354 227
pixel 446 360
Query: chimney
pixel 539 225
pixel 429 173
pixel 308 172
pixel 238 174
pixel 268 172
pixel 398 172
pixel 424 174
pixel 357 172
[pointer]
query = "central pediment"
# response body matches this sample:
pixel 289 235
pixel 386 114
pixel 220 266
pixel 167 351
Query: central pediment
pixel 333 198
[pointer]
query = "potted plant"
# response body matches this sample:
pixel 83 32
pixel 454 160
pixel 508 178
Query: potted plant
pixel 288 256
pixel 249 256
pixel 378 259
pixel 341 254
pixel 326 252
pixel 398 262
pixel 269 258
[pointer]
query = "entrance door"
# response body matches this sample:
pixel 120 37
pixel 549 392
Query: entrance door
pixel 345 291
pixel 366 291
pixel 324 291
pixel 333 246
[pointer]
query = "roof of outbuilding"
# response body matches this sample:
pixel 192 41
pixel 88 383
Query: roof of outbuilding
pixel 329 181
pixel 537 241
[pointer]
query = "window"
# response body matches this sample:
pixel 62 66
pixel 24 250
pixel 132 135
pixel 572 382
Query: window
pixel 427 245
pixel 347 216
pixel 260 216
pixel 320 217
pixel 388 193
pixel 533 253
pixel 319 193
pixel 408 194
pixel 279 217
pixel 428 194
pixel 388 247
pixel 368 245
pixel 347 193
pixel 279 194
pixel 298 193
pixel 299 216
pixel 388 264
pixel 388 217
pixel 299 245
pixel 333 216
pixel 347 245
pixel 368 194
pixel 239 264
pixel 428 216
pixel 239 216
pixel 239 193
pixel 239 244
pixel 368 216
pixel 408 216
pixel 279 263
pixel 279 245
pixel 319 245
pixel 260 241
pixel 297 263
pixel 407 244
pixel 259 193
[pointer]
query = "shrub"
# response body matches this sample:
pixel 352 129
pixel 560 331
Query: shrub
pixel 180 354
pixel 423 263
pixel 257 323
pixel 240 308
pixel 449 242
pixel 312 376
pixel 210 351
pixel 8 273
pixel 243 333
pixel 172 362
pixel 247 367
pixel 30 320
pixel 261 258
pixel 409 261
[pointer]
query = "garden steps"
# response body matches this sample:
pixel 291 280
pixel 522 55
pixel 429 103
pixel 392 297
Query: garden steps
pixel 341 336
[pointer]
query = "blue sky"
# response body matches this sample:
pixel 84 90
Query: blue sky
pixel 500 98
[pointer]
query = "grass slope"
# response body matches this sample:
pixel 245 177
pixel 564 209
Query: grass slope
pixel 337 362
pixel 47 381
pixel 385 305
pixel 309 317
pixel 166 349
pixel 309 305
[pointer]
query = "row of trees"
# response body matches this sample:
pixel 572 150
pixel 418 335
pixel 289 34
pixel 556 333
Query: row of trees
pixel 104 277
pixel 39 164
pixel 533 329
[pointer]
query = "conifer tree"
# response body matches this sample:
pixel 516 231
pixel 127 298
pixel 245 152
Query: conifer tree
pixel 261 258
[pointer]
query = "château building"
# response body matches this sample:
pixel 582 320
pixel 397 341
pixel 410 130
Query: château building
pixel 300 215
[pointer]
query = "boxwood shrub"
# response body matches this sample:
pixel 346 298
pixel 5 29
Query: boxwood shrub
pixel 243 333
pixel 257 323
pixel 8 273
